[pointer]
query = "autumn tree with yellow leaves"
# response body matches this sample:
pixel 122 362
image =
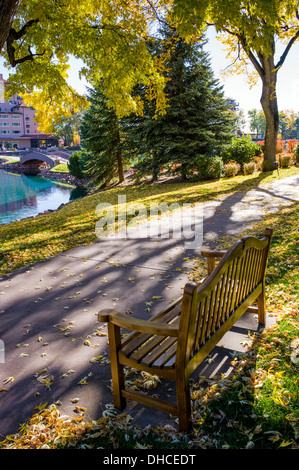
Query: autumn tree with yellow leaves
pixel 109 36
pixel 251 30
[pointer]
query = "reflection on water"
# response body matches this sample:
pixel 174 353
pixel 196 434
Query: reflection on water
pixel 24 196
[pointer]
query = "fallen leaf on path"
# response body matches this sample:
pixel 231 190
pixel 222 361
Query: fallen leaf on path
pixel 75 400
pixel 8 379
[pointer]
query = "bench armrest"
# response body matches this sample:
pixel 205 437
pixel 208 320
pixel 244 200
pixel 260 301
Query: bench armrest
pixel 212 253
pixel 135 324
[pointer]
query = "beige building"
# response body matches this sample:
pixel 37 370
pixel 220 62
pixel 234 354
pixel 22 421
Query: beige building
pixel 17 126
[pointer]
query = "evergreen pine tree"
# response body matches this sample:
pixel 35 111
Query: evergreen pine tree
pixel 197 123
pixel 101 141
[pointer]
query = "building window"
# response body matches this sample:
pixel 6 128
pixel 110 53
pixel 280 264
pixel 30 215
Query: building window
pixel 4 132
pixel 16 124
pixel 16 132
pixel 15 116
pixel 4 124
pixel 4 116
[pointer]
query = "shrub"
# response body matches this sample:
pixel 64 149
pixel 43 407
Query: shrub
pixel 260 143
pixel 291 144
pixel 284 161
pixel 76 164
pixel 231 169
pixel 241 150
pixel 249 168
pixel 279 146
pixel 258 149
pixel 296 150
pixel 209 167
pixel 258 161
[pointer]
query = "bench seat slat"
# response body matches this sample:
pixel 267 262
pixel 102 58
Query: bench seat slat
pixel 161 354
pixel 168 317
pixel 148 348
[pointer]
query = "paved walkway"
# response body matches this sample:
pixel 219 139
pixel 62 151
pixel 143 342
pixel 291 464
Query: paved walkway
pixel 48 311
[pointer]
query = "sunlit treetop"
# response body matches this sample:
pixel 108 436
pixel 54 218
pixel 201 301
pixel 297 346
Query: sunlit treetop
pixel 255 23
pixel 109 36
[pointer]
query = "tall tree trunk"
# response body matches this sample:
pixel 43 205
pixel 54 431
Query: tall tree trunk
pixel 270 108
pixel 8 9
pixel 120 167
pixel 119 159
pixel 267 70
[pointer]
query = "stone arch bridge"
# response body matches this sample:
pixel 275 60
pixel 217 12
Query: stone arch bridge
pixel 34 158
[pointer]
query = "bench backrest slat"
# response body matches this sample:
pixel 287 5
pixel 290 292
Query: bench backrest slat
pixel 209 304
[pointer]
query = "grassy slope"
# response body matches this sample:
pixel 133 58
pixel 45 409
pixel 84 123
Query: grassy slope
pixel 62 168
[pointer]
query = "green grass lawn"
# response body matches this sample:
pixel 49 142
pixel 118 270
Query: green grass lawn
pixel 62 168
pixel 256 406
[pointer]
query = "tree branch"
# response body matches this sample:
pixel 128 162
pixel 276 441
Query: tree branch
pixel 15 36
pixel 258 67
pixel 286 51
pixel 30 56
pixel 19 34
pixel 154 10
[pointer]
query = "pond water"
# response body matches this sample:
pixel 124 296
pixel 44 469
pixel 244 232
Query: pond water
pixel 24 196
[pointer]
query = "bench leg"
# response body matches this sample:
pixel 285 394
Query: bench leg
pixel 261 305
pixel 117 370
pixel 183 402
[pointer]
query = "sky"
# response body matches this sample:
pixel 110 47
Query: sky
pixel 235 87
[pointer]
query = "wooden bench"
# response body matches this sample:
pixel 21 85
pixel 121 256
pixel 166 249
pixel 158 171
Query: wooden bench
pixel 173 343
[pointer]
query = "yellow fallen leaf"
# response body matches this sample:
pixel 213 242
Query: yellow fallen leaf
pixel 83 381
pixel 274 438
pixel 75 400
pixel 42 406
pixel 8 379
pixel 285 443
pixel 79 408
pixel 291 417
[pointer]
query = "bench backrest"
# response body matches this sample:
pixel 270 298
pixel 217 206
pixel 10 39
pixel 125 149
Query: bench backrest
pixel 238 276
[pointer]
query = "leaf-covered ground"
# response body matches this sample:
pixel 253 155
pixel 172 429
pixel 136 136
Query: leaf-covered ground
pixel 256 406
